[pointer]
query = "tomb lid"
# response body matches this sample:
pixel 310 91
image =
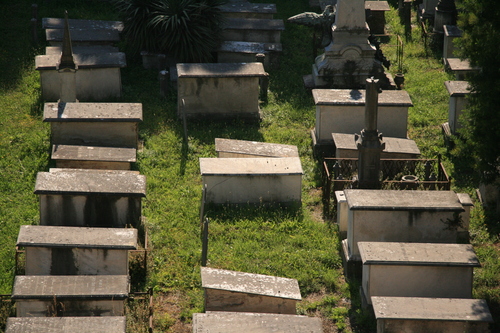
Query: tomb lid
pixel 119 172
pixel 418 254
pixel 108 324
pixel 84 35
pixel 84 60
pixel 58 23
pixel 87 49
pixel 93 153
pixel 377 6
pixel 249 283
pixel 465 199
pixel 80 112
pixel 457 88
pixel 357 97
pixel 452 31
pixel 255 148
pixel 249 47
pixel 392 145
pixel 81 237
pixel 403 200
pixel 247 7
pixel 426 308
pixel 230 322
pixel 458 65
pixel 253 24
pixel 250 69
pixel 70 287
pixel 95 183
pixel 250 166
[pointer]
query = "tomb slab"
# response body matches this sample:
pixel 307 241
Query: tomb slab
pixel 66 324
pixel 396 148
pixel 242 148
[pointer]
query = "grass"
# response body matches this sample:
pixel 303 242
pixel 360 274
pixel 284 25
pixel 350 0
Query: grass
pixel 294 242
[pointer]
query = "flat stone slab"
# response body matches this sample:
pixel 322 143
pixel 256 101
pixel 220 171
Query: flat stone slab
pixel 249 47
pixel 357 97
pixel 403 200
pixel 230 322
pixel 82 237
pixel 71 287
pixel 392 145
pixel 82 112
pixel 254 24
pixel 93 153
pixel 424 308
pixel 89 49
pixel 58 23
pixel 118 172
pixel 250 283
pixel 247 7
pixel 452 31
pixel 86 183
pixel 378 6
pixel 250 166
pixel 220 70
pixel 458 65
pixel 457 88
pixel 67 324
pixel 254 149
pixel 83 60
pixel 418 254
pixel 84 35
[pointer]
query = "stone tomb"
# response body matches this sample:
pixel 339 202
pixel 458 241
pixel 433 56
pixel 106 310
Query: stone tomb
pixel 461 68
pixel 92 49
pixel 451 32
pixel 230 322
pixel 241 148
pixel 252 180
pixel 458 91
pixel 423 315
pixel 343 111
pixel 82 251
pixel 92 198
pixel 67 324
pixel 94 124
pixel 246 292
pixel 417 270
pixel 236 51
pixel 98 76
pixel 395 148
pixel 58 23
pixel 70 296
pixel 403 216
pixel 93 157
pixel 230 89
pixel 253 30
pixel 243 10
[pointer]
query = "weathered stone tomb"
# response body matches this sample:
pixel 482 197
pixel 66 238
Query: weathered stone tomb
pixel 244 149
pixel 458 91
pixel 451 32
pixel 395 148
pixel 66 324
pixel 236 51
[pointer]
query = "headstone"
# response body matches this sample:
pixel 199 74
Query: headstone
pixel 82 251
pixel 93 157
pixel 395 148
pixel 252 180
pixel 242 148
pixel 70 296
pixel 417 270
pixel 66 324
pixel 245 10
pixel 423 314
pixel 246 292
pixel 253 30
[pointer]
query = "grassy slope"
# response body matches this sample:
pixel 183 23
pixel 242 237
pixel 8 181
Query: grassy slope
pixel 292 242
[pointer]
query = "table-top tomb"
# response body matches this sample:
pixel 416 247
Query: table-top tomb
pixel 242 148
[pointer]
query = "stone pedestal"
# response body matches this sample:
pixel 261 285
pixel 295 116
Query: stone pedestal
pixel 244 149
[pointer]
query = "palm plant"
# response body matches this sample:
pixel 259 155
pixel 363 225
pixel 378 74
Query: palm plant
pixel 188 30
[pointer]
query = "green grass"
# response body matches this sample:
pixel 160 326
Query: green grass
pixel 293 242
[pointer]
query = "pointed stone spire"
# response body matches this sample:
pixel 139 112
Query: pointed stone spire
pixel 67 61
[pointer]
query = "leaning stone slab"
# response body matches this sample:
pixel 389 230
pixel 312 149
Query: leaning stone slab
pixel 423 315
pixel 236 51
pixel 66 324
pixel 82 251
pixel 343 111
pixel 246 292
pixel 98 77
pixel 252 180
pixel 253 30
pixel 417 269
pixel 249 10
pixel 402 216
pixel 84 36
pixel 58 23
pixel 242 148
pixel 93 157
pixel 395 148
pixel 94 124
pixel 224 90
pixel 90 198
pixel 68 296
pixel 230 322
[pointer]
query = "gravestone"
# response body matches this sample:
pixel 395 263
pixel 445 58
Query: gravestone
pixel 246 292
pixel 451 32
pixel 253 30
pixel 82 251
pixel 423 315
pixel 241 148
pixel 252 180
pixel 70 296
pixel 245 10
pixel 395 148
pixel 417 270
pixel 461 68
pixel 93 157
pixel 66 324
pixel 458 92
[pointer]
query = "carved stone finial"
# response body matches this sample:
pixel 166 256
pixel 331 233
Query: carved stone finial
pixel 67 61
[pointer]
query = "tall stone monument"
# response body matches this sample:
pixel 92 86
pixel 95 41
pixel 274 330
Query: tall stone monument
pixel 369 143
pixel 350 58
pixel 67 67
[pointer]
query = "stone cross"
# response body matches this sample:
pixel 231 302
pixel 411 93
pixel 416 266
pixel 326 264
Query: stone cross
pixel 67 67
